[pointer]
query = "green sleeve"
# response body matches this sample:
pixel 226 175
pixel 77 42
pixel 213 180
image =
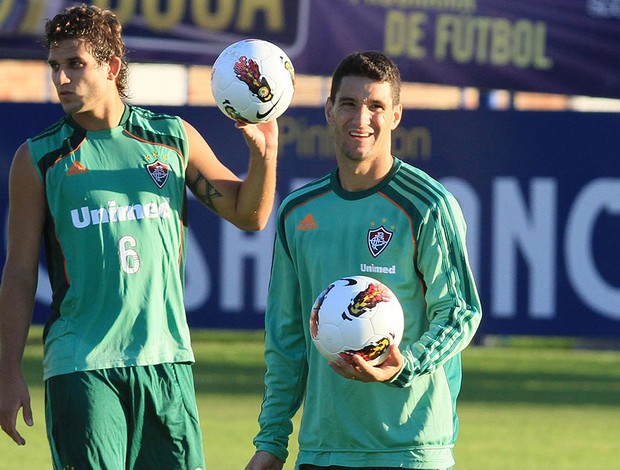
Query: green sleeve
pixel 453 307
pixel 285 355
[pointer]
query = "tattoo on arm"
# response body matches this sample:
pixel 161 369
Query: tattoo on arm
pixel 205 191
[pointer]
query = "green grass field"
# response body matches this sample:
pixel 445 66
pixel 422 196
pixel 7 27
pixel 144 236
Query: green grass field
pixel 525 405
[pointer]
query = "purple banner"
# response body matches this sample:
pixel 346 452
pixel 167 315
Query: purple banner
pixel 555 46
pixel 540 193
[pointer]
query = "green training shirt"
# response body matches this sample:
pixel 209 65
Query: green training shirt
pixel 408 232
pixel 115 237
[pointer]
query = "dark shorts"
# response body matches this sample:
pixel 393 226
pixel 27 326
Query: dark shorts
pixel 124 418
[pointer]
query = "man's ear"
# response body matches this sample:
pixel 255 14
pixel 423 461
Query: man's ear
pixel 328 110
pixel 398 115
pixel 115 67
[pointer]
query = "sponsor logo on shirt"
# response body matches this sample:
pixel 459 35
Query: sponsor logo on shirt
pixel 113 212
pixel 76 168
pixel 372 268
pixel 307 223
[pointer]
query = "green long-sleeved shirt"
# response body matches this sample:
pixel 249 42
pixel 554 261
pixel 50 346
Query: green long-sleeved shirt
pixel 409 233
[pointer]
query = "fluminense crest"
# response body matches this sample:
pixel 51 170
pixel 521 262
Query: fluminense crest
pixel 159 172
pixel 378 240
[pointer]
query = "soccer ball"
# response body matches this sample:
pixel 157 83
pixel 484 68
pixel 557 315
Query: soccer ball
pixel 253 81
pixel 356 315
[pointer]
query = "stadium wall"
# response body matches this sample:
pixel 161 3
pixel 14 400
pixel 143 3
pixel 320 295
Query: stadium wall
pixel 540 191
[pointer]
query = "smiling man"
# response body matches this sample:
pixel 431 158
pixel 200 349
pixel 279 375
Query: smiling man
pixel 373 210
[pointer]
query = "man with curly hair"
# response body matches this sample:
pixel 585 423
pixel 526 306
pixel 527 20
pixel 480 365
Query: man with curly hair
pixel 105 188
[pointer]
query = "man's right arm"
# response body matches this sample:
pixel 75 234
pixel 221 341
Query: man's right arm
pixel 18 288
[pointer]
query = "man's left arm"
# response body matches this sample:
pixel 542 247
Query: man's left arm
pixel 247 203
pixel 453 305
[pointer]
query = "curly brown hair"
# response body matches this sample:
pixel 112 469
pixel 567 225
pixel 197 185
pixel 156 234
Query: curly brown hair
pixel 101 31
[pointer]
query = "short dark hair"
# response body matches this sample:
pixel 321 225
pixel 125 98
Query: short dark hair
pixel 99 28
pixel 371 64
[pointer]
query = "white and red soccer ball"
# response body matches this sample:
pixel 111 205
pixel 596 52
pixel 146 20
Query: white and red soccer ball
pixel 253 81
pixel 356 315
